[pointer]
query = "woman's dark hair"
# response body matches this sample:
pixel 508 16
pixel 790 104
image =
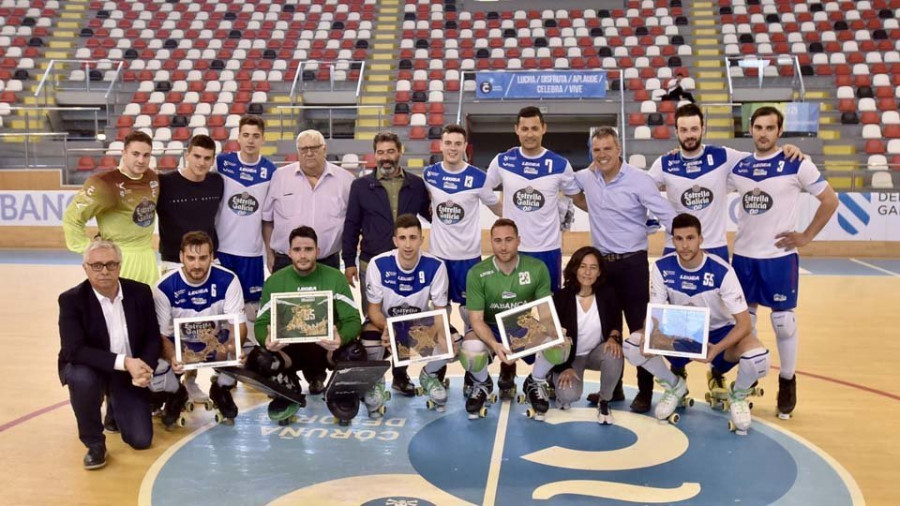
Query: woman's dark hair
pixel 570 273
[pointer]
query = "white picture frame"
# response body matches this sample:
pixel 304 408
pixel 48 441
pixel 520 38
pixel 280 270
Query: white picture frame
pixel 541 312
pixel 669 326
pixel 186 330
pixel 437 322
pixel 301 317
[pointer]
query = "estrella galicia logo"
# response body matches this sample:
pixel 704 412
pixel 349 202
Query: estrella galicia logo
pixel 487 87
pixel 243 204
pixel 756 202
pixel 144 213
pixel 852 216
pixel 697 198
pixel 528 199
pixel 450 212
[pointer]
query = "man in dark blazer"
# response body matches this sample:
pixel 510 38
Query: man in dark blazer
pixel 110 342
pixel 375 202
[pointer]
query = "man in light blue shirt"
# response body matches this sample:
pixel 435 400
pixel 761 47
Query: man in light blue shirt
pixel 617 197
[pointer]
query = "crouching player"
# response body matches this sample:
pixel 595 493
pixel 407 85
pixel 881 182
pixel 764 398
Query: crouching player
pixel 399 282
pixel 690 277
pixel 279 361
pixel 198 288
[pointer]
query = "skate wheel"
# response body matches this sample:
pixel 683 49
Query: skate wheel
pixel 731 426
pixel 219 418
pixel 387 396
pixel 181 421
pixel 210 405
pixel 760 392
pixel 784 416
pixel 690 402
pixel 708 398
pixel 731 386
pixel 382 409
pixel 726 405
pixel 529 413
pixel 446 383
pixel 420 391
pixel 520 399
pixel 750 405
pixel 493 398
pixel 430 404
pixel 189 407
pixel 674 418
pixel 482 412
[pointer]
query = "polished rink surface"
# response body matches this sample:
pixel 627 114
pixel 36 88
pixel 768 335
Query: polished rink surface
pixel 848 410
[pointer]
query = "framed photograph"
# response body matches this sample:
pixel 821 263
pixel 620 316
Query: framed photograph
pixel 676 331
pixel 207 341
pixel 530 328
pixel 302 317
pixel 420 337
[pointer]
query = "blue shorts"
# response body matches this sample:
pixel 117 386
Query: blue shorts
pixel 721 252
pixel 249 271
pixel 719 363
pixel 456 274
pixel 772 282
pixel 553 260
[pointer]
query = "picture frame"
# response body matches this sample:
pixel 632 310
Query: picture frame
pixel 420 337
pixel 676 331
pixel 302 317
pixel 530 328
pixel 207 341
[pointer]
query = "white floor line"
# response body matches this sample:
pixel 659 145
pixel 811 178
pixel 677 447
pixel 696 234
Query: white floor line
pixel 879 269
pixel 493 478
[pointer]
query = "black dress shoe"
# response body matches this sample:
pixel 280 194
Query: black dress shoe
pixel 618 394
pixel 641 402
pixel 109 423
pixel 404 386
pixel 95 458
pixel 317 386
pixel 593 399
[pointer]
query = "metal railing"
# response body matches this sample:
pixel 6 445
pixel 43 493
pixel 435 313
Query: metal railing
pixel 298 84
pixel 330 108
pixel 608 70
pixel 42 109
pixel 763 61
pixel 53 77
pixel 29 135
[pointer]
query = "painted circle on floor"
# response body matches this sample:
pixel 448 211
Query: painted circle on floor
pixel 416 456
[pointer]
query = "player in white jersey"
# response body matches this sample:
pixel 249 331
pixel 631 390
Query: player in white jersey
pixel 532 177
pixel 198 288
pixel 457 190
pixel 239 222
pixel 696 178
pixel 690 277
pixel 400 282
pixel 765 247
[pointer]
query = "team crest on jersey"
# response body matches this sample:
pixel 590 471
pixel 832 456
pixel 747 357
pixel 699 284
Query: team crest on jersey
pixel 243 204
pixel 450 212
pixel 756 202
pixel 697 198
pixel 528 199
pixel 144 213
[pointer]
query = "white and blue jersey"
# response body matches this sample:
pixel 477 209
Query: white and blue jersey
pixel 531 189
pixel 402 292
pixel 456 199
pixel 239 222
pixel 769 192
pixel 699 186
pixel 218 294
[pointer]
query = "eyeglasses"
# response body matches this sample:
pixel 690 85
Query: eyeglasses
pixel 309 149
pixel 98 266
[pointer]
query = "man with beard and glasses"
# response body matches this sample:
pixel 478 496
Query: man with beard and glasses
pixel 374 204
pixel 694 178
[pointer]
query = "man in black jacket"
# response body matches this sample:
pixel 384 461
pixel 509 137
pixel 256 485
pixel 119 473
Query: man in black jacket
pixel 375 202
pixel 109 343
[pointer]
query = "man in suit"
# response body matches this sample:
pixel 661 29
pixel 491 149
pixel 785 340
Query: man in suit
pixel 109 343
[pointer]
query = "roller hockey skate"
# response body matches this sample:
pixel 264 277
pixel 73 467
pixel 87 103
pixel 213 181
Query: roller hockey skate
pixel 283 409
pixel 739 409
pixel 507 382
pixel 480 397
pixel 195 394
pixel 375 399
pixel 176 403
pixel 535 393
pixel 220 397
pixel 401 384
pixel 442 375
pixel 434 387
pixel 348 384
pixel 717 396
pixel 468 381
pixel 787 397
pixel 674 396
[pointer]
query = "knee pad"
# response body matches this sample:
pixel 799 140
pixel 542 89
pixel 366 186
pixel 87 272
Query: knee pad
pixel 371 340
pixel 632 351
pixel 785 325
pixel 754 364
pixel 164 379
pixel 264 361
pixel 474 356
pixel 353 351
pixel 558 354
